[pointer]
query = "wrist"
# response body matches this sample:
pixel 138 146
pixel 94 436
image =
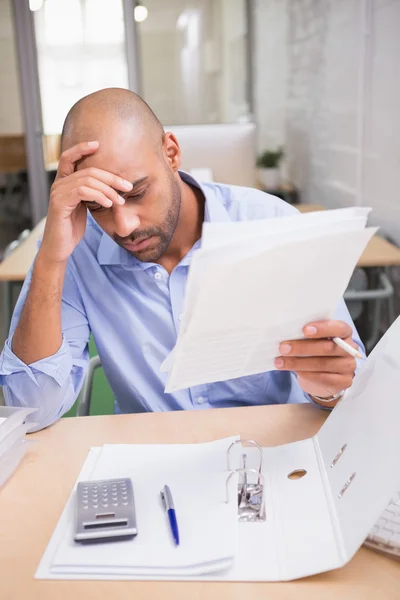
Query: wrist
pixel 329 401
pixel 46 264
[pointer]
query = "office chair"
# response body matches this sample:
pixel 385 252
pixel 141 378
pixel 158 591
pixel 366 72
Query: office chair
pixel 84 398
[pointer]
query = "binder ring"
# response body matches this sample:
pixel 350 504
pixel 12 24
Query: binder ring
pixel 252 510
pixel 252 443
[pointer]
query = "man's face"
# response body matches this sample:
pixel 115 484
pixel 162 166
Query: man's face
pixel 146 223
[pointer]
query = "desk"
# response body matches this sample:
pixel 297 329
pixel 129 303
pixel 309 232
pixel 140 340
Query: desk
pixel 16 266
pixel 306 208
pixel 35 496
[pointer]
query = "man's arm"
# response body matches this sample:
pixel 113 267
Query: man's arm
pixel 39 331
pixel 39 367
pixel 50 384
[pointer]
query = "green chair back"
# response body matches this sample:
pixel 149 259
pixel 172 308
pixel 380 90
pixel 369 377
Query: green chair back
pixel 102 397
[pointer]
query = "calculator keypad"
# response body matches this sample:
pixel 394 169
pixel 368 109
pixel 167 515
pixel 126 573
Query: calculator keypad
pixel 105 510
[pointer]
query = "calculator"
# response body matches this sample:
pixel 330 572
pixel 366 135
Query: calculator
pixel 105 511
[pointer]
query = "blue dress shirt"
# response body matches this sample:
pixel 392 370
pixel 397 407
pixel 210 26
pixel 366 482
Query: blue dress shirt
pixel 133 310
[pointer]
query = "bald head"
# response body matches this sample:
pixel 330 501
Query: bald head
pixel 97 115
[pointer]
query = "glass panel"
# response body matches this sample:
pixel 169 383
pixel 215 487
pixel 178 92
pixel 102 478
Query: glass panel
pixel 193 60
pixel 15 214
pixel 81 48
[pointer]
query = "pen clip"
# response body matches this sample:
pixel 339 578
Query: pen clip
pixel 164 503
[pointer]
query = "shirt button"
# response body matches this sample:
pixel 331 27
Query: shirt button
pixel 157 275
pixel 180 317
pixel 200 400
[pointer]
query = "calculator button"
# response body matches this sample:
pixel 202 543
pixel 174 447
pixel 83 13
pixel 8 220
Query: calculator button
pixel 85 507
pixel 124 503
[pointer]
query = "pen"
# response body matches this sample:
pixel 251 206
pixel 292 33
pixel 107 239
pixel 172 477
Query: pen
pixel 168 504
pixel 347 347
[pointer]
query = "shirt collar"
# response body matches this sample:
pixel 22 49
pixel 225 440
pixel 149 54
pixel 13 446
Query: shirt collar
pixel 110 253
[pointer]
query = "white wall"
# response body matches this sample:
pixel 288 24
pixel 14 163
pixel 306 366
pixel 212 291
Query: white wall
pixel 10 109
pixel 270 70
pixel 328 87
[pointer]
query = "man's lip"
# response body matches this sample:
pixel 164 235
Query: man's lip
pixel 135 246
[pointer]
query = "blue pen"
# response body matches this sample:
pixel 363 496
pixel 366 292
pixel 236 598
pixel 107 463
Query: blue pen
pixel 168 503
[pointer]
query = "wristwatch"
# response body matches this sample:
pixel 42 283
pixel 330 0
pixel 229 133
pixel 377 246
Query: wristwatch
pixel 330 399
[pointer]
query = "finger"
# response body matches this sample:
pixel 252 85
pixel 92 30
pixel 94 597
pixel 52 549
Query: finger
pixel 96 184
pixel 92 174
pixel 327 329
pixel 323 347
pixel 331 383
pixel 87 194
pixel 68 158
pixel 319 364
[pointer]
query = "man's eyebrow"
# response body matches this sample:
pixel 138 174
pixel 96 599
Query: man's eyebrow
pixel 135 184
pixel 138 182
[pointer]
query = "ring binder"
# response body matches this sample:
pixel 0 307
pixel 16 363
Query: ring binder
pixel 251 499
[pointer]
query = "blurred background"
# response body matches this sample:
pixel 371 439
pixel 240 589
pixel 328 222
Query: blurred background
pixel 300 98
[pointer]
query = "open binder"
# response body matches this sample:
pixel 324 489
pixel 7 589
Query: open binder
pixel 313 523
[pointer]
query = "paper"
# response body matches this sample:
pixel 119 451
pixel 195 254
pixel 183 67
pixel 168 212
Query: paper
pixel 245 297
pixel 12 442
pixel 196 474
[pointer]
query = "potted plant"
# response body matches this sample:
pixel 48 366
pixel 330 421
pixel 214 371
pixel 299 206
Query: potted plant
pixel 268 163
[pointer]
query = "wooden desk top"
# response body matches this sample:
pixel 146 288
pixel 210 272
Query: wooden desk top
pixel 378 253
pixel 306 208
pixel 34 498
pixel 16 266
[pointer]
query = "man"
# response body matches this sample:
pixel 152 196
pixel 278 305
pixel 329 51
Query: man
pixel 122 226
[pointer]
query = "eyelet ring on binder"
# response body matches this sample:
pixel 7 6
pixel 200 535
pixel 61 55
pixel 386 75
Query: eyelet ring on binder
pixel 297 474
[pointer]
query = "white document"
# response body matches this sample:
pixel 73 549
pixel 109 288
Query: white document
pixel 12 442
pixel 313 524
pixel 196 474
pixel 249 293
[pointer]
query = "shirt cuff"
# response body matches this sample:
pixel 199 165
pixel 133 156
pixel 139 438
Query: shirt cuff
pixel 58 366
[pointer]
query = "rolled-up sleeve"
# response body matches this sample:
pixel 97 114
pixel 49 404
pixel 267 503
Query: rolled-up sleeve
pixel 51 384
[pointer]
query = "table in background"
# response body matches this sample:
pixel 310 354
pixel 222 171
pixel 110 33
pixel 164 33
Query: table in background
pixel 35 496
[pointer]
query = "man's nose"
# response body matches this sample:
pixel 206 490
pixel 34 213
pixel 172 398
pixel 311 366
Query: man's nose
pixel 126 220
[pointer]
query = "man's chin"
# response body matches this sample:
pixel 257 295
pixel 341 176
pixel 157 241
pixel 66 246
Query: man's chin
pixel 147 255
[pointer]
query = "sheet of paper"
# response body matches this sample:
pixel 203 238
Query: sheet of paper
pixel 230 248
pixel 207 543
pixel 245 309
pixel 217 233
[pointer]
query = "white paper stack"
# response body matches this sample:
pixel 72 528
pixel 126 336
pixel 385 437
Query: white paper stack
pixel 196 473
pixel 12 442
pixel 254 284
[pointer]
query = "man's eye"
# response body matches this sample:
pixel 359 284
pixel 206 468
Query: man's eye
pixel 94 207
pixel 137 196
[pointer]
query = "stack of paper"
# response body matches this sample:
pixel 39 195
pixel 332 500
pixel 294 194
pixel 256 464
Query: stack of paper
pixel 12 442
pixel 196 473
pixel 254 284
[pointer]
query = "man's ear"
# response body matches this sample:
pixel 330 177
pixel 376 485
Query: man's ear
pixel 171 150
